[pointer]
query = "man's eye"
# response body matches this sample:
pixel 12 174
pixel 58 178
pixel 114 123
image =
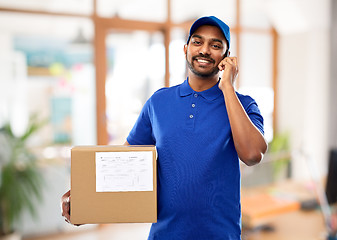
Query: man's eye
pixel 196 42
pixel 217 46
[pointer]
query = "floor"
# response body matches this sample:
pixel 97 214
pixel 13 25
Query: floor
pixel 134 231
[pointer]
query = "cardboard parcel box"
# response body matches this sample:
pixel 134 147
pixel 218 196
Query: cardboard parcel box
pixel 113 184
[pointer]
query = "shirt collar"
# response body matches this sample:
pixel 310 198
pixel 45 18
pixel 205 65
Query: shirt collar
pixel 209 94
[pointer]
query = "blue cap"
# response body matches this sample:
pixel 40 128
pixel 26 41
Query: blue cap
pixel 211 20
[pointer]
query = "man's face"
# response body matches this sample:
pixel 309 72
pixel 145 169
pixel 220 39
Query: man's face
pixel 205 50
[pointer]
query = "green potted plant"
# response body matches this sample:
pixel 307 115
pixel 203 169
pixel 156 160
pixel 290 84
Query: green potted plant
pixel 279 151
pixel 20 177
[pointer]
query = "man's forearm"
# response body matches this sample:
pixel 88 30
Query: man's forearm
pixel 248 140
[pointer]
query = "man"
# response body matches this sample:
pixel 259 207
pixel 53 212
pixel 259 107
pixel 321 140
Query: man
pixel 201 129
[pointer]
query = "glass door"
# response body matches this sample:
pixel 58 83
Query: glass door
pixel 135 63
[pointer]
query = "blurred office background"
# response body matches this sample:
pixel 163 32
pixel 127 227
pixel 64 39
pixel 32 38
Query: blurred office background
pixel 88 66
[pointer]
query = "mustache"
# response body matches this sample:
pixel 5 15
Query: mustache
pixel 204 57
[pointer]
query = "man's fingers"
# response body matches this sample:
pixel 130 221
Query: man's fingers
pixel 65 206
pixel 232 61
pixel 221 65
pixel 66 210
pixel 229 63
pixel 235 60
pixel 228 60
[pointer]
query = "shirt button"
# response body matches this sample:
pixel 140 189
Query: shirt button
pixel 193 105
pixel 191 116
pixel 195 95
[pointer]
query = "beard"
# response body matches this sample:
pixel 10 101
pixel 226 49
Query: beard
pixel 214 71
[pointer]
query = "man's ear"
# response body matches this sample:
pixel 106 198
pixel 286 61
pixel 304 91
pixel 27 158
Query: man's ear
pixel 227 54
pixel 185 49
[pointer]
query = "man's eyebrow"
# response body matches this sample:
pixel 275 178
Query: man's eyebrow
pixel 217 40
pixel 213 39
pixel 196 36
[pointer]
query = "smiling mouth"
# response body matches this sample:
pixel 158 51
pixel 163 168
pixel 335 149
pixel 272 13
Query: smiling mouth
pixel 204 61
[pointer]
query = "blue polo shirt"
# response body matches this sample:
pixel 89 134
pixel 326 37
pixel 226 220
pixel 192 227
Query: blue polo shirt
pixel 198 166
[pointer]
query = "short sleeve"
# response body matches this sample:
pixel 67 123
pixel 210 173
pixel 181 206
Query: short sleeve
pixel 141 133
pixel 255 116
pixel 253 111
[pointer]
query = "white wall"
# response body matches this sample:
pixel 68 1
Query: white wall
pixel 304 86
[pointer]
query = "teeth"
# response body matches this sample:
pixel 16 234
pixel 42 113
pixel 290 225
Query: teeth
pixel 203 61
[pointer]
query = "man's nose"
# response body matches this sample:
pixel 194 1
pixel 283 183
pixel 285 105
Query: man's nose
pixel 204 49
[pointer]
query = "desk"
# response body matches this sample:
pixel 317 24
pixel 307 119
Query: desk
pixel 297 225
pixel 293 225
